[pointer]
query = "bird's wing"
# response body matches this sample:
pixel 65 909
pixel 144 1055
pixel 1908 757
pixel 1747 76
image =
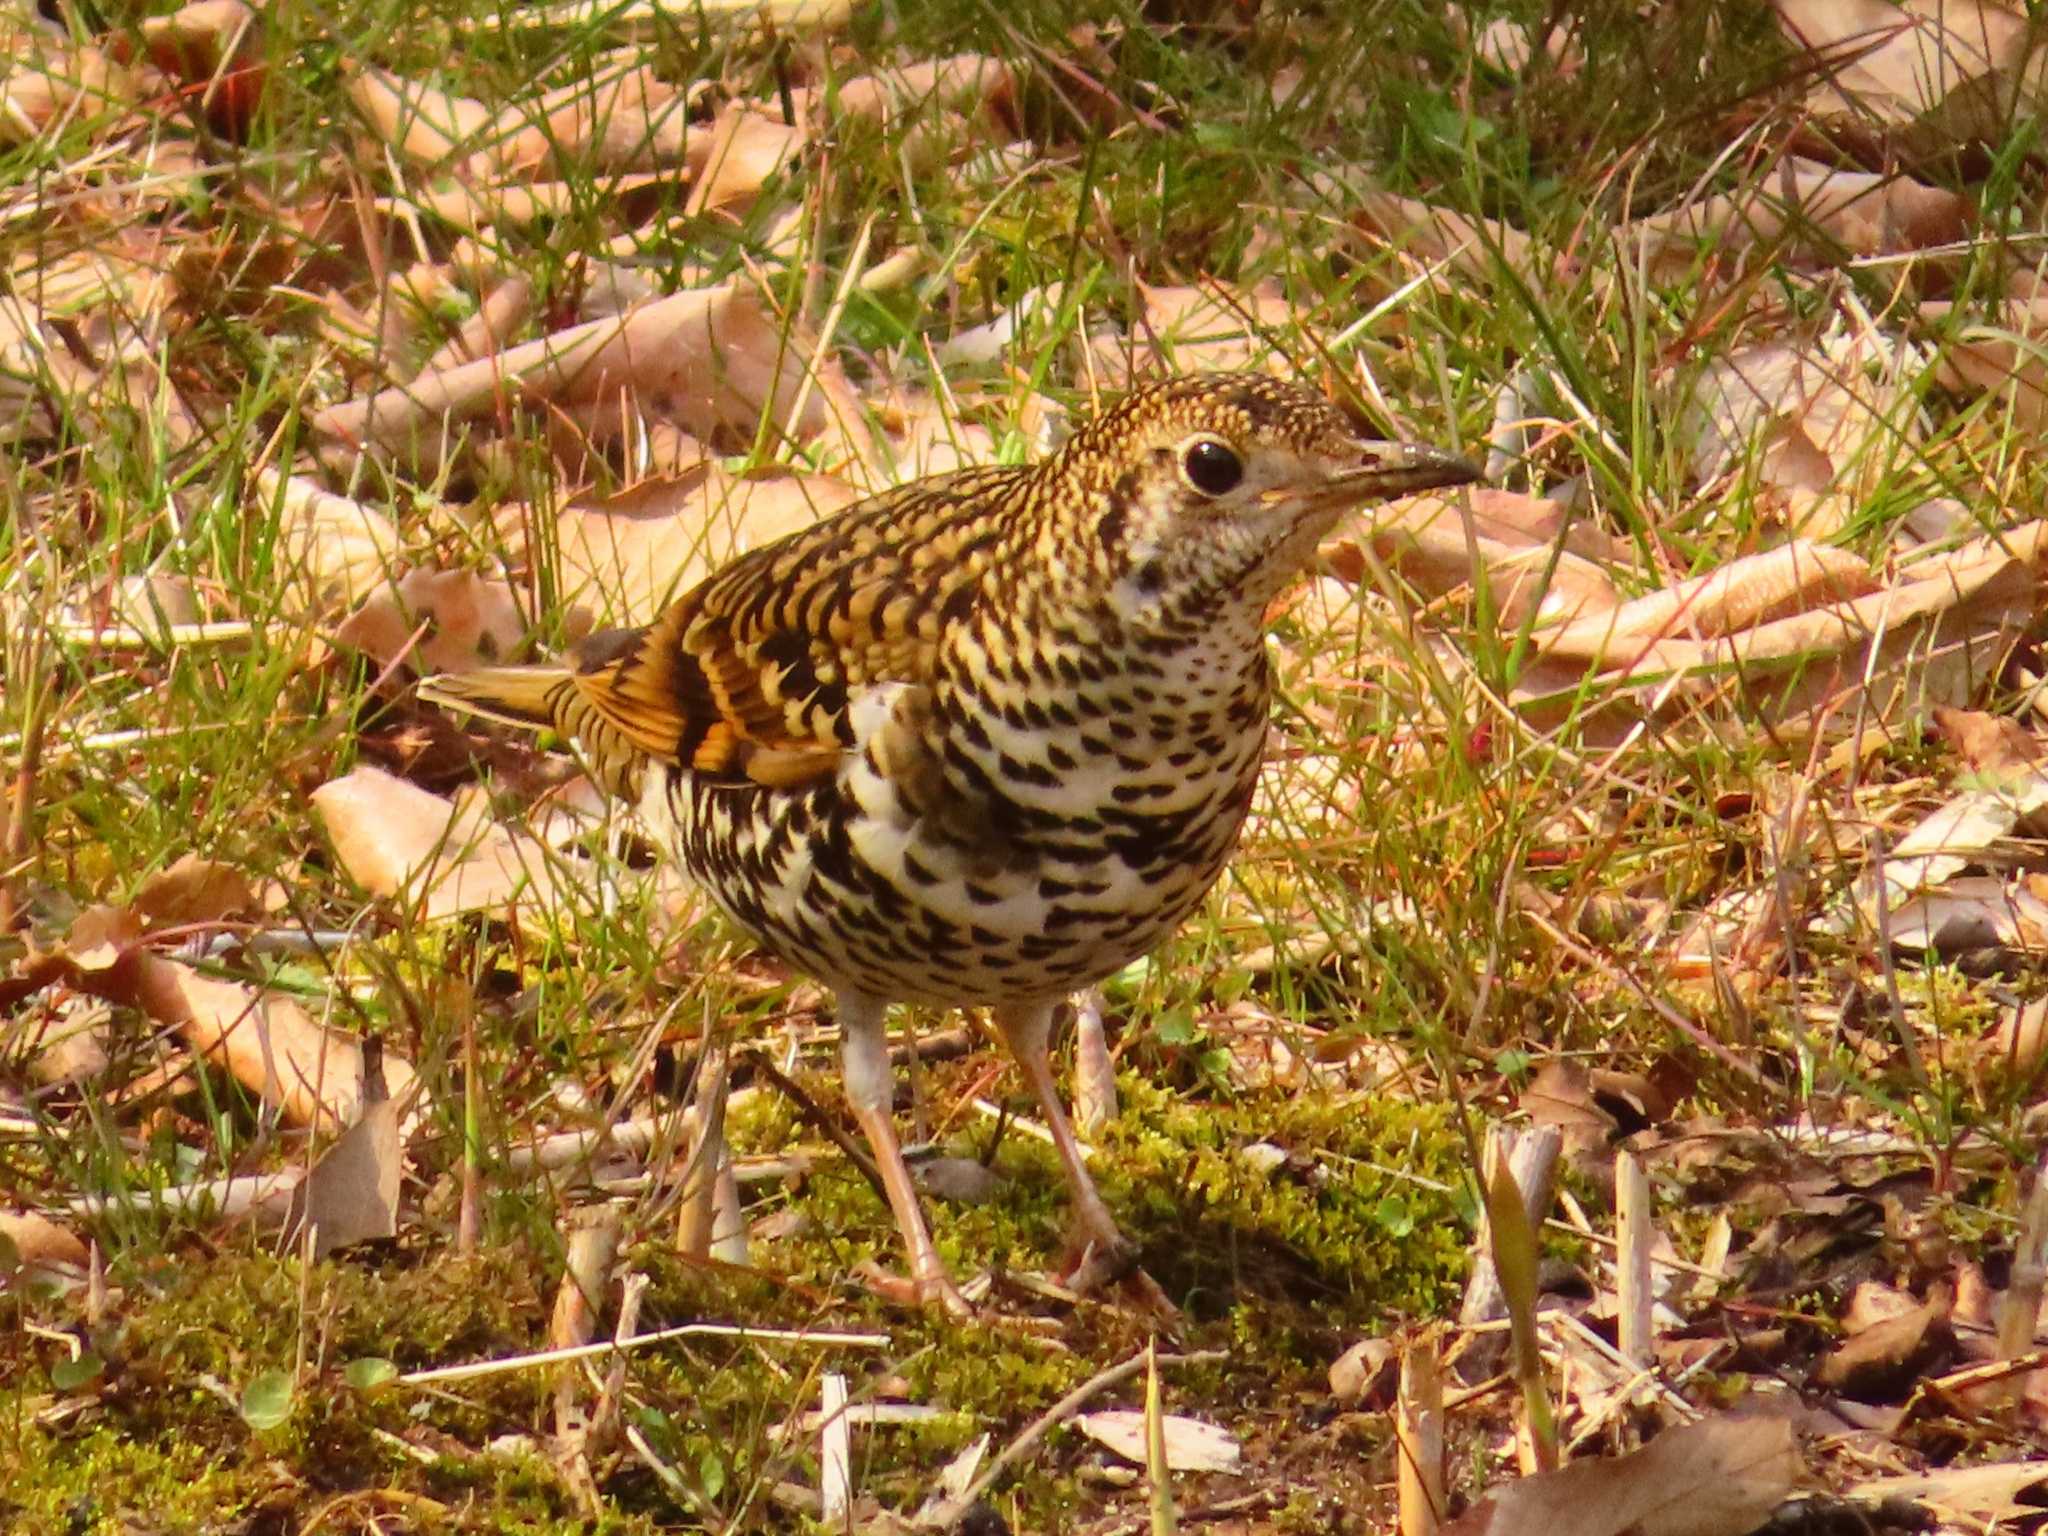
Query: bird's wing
pixel 750 676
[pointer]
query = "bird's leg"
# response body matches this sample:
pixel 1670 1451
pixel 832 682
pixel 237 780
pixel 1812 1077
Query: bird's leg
pixel 1027 1031
pixel 870 1089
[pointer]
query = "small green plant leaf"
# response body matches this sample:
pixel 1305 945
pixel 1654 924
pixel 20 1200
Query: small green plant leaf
pixel 711 1475
pixel 267 1400
pixel 369 1373
pixel 1394 1216
pixel 68 1375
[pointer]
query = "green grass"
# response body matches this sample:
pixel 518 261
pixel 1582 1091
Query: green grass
pixel 1394 908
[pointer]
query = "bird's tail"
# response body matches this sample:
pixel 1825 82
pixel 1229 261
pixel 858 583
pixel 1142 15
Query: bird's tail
pixel 539 698
pixel 544 699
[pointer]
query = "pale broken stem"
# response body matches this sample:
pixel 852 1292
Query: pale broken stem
pixel 1531 1157
pixel 1419 1438
pixel 592 1247
pixel 2018 1314
pixel 835 1451
pixel 469 1213
pixel 1095 1097
pixel 697 1212
pixel 1634 1229
pixel 946 1515
pixel 540 1359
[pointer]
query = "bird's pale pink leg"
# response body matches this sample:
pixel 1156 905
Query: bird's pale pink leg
pixel 1027 1030
pixel 870 1090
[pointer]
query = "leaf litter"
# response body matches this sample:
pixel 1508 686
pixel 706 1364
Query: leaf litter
pixel 1751 598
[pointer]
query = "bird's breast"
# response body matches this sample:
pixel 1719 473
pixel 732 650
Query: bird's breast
pixel 1024 829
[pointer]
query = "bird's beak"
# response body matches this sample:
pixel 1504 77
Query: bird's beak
pixel 1386 470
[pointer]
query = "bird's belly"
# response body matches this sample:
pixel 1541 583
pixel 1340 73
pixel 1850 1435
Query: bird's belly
pixel 839 881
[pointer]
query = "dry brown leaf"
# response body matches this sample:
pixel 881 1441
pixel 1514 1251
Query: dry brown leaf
pixel 1740 598
pixel 1211 327
pixel 710 361
pixel 430 127
pixel 2005 359
pixel 1561 1095
pixel 1988 1492
pixel 398 840
pixel 216 44
pixel 471 621
pixel 618 120
pixel 46 84
pixel 477 206
pixel 200 891
pixel 1804 212
pixel 1817 424
pixel 1440 237
pixel 1539 566
pixel 1507 46
pixel 351 1194
pixel 920 437
pixel 1191 1445
pixel 1956 69
pixel 1720 1477
pixel 746 146
pixel 333 552
pixel 973 84
pixel 1891 1356
pixel 41 1247
pixel 264 1039
pixel 623 557
pixel 2019 1046
pixel 1989 744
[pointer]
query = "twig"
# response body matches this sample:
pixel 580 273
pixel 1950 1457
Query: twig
pixel 948 1514
pixel 808 1108
pixel 546 1357
pixel 1634 1228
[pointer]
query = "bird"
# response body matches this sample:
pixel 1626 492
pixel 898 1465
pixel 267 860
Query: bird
pixel 987 737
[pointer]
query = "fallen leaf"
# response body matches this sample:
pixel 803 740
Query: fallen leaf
pixel 398 840
pixel 1988 744
pixel 1720 1477
pixel 711 361
pixel 625 556
pixel 1989 1492
pixel 471 621
pixel 350 1195
pixel 1891 1356
pixel 746 146
pixel 1191 1446
pixel 40 1247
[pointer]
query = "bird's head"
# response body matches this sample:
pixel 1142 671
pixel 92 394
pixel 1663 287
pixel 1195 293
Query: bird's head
pixel 1218 487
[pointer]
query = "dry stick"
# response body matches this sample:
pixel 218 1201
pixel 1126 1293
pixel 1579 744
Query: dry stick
pixel 544 1357
pixel 808 1108
pixel 1419 1438
pixel 2022 1306
pixel 1633 1229
pixel 948 1514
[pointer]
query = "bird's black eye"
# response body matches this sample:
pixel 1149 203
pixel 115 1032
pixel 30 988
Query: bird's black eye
pixel 1211 467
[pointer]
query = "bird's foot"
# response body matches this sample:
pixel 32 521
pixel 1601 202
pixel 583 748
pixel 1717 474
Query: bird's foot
pixel 1116 1263
pixel 913 1291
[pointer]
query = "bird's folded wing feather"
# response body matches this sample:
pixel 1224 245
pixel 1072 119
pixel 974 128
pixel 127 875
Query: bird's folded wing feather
pixel 749 677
